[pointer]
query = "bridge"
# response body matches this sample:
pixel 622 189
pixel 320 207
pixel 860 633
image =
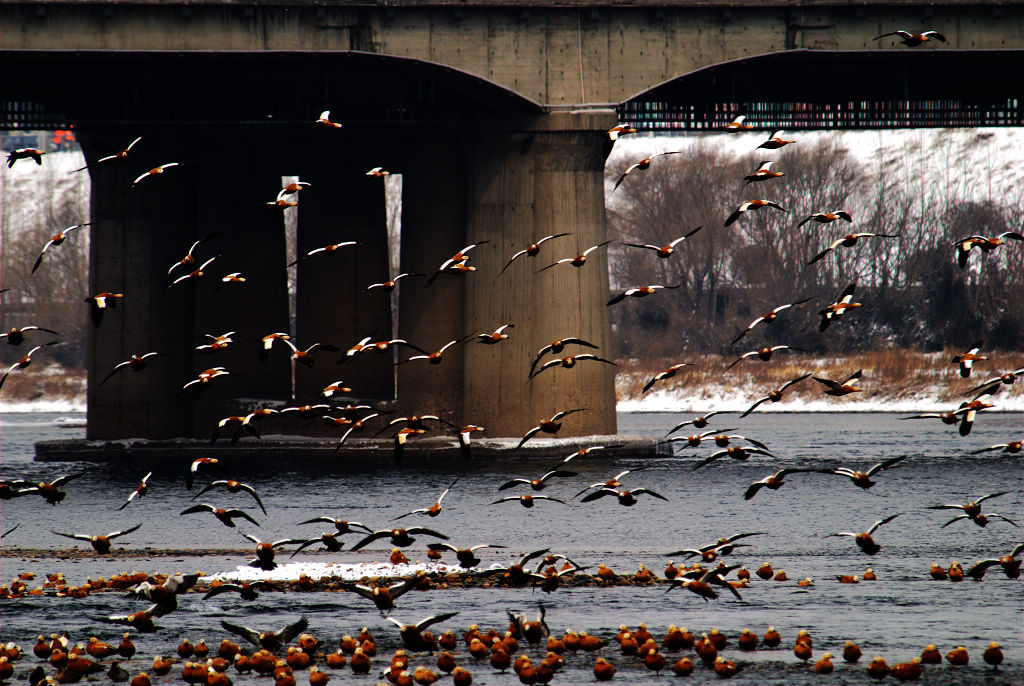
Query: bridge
pixel 495 115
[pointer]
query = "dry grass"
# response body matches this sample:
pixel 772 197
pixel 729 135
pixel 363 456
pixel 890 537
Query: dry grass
pixel 36 383
pixel 889 374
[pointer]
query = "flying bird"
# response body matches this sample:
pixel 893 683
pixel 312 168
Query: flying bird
pixel 665 374
pixel 773 481
pixel 557 347
pixel 384 597
pixel 531 250
pixel 776 395
pixel 190 257
pixel 775 141
pixel 697 422
pixel 626 497
pixel 972 511
pixel 570 362
pixel 400 538
pixel 836 310
pixel 966 360
pixel 466 556
pixel 116 156
pixel 99 303
pixel 328 250
pixel 226 517
pixel 101 544
pixel 136 363
pixel 763 354
pixel 539 483
pixel 268 640
pixel 437 356
pixel 737 125
pixel 526 500
pixel 56 239
pixel 612 483
pixel 378 173
pixel 990 385
pixel 496 336
pixel 412 634
pixel 139 491
pixel 577 261
pixel 912 40
pixel 752 205
pixel 233 487
pixel 986 245
pixel 848 241
pixel 736 452
pixel 826 217
pixel 205 377
pixel 863 539
pixel 642 165
pixel 456 263
pixel 195 273
pixel 392 283
pixel 155 171
pixel 768 318
pixel 16 336
pixel 24 361
pixel 193 469
pixel 619 130
pixel 840 389
pixel 25 154
pixel 324 121
pixel 664 251
pixel 638 292
pixel 548 426
pixel 434 509
pixel 863 479
pixel 762 173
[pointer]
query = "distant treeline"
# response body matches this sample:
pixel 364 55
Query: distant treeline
pixel 914 294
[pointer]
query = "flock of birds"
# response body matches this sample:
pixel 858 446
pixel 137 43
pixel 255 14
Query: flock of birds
pixel 540 568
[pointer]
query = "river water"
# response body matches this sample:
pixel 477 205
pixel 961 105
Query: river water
pixel 895 616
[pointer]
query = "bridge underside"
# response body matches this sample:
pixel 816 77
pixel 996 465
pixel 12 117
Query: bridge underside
pixel 839 89
pixel 479 164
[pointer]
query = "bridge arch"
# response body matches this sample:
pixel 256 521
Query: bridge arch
pixel 479 163
pixel 847 89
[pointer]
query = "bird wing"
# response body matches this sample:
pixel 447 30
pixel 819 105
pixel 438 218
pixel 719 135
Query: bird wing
pixel 78 537
pixel 292 630
pixel 640 491
pixel 990 495
pixel 793 382
pixel 885 465
pixel 754 406
pixel 599 494
pixel 430 621
pixel 241 513
pixel 834 385
pixel 115 534
pixel 880 522
pixel 243 631
pixel 417 530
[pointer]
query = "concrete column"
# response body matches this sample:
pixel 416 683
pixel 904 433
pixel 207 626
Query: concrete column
pixel 249 238
pixel 342 205
pixel 523 187
pixel 135 236
pixel 433 229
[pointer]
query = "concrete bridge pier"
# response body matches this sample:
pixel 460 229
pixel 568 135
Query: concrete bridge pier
pixel 543 179
pixel 433 228
pixel 237 174
pixel 136 236
pixel 133 235
pixel 343 204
